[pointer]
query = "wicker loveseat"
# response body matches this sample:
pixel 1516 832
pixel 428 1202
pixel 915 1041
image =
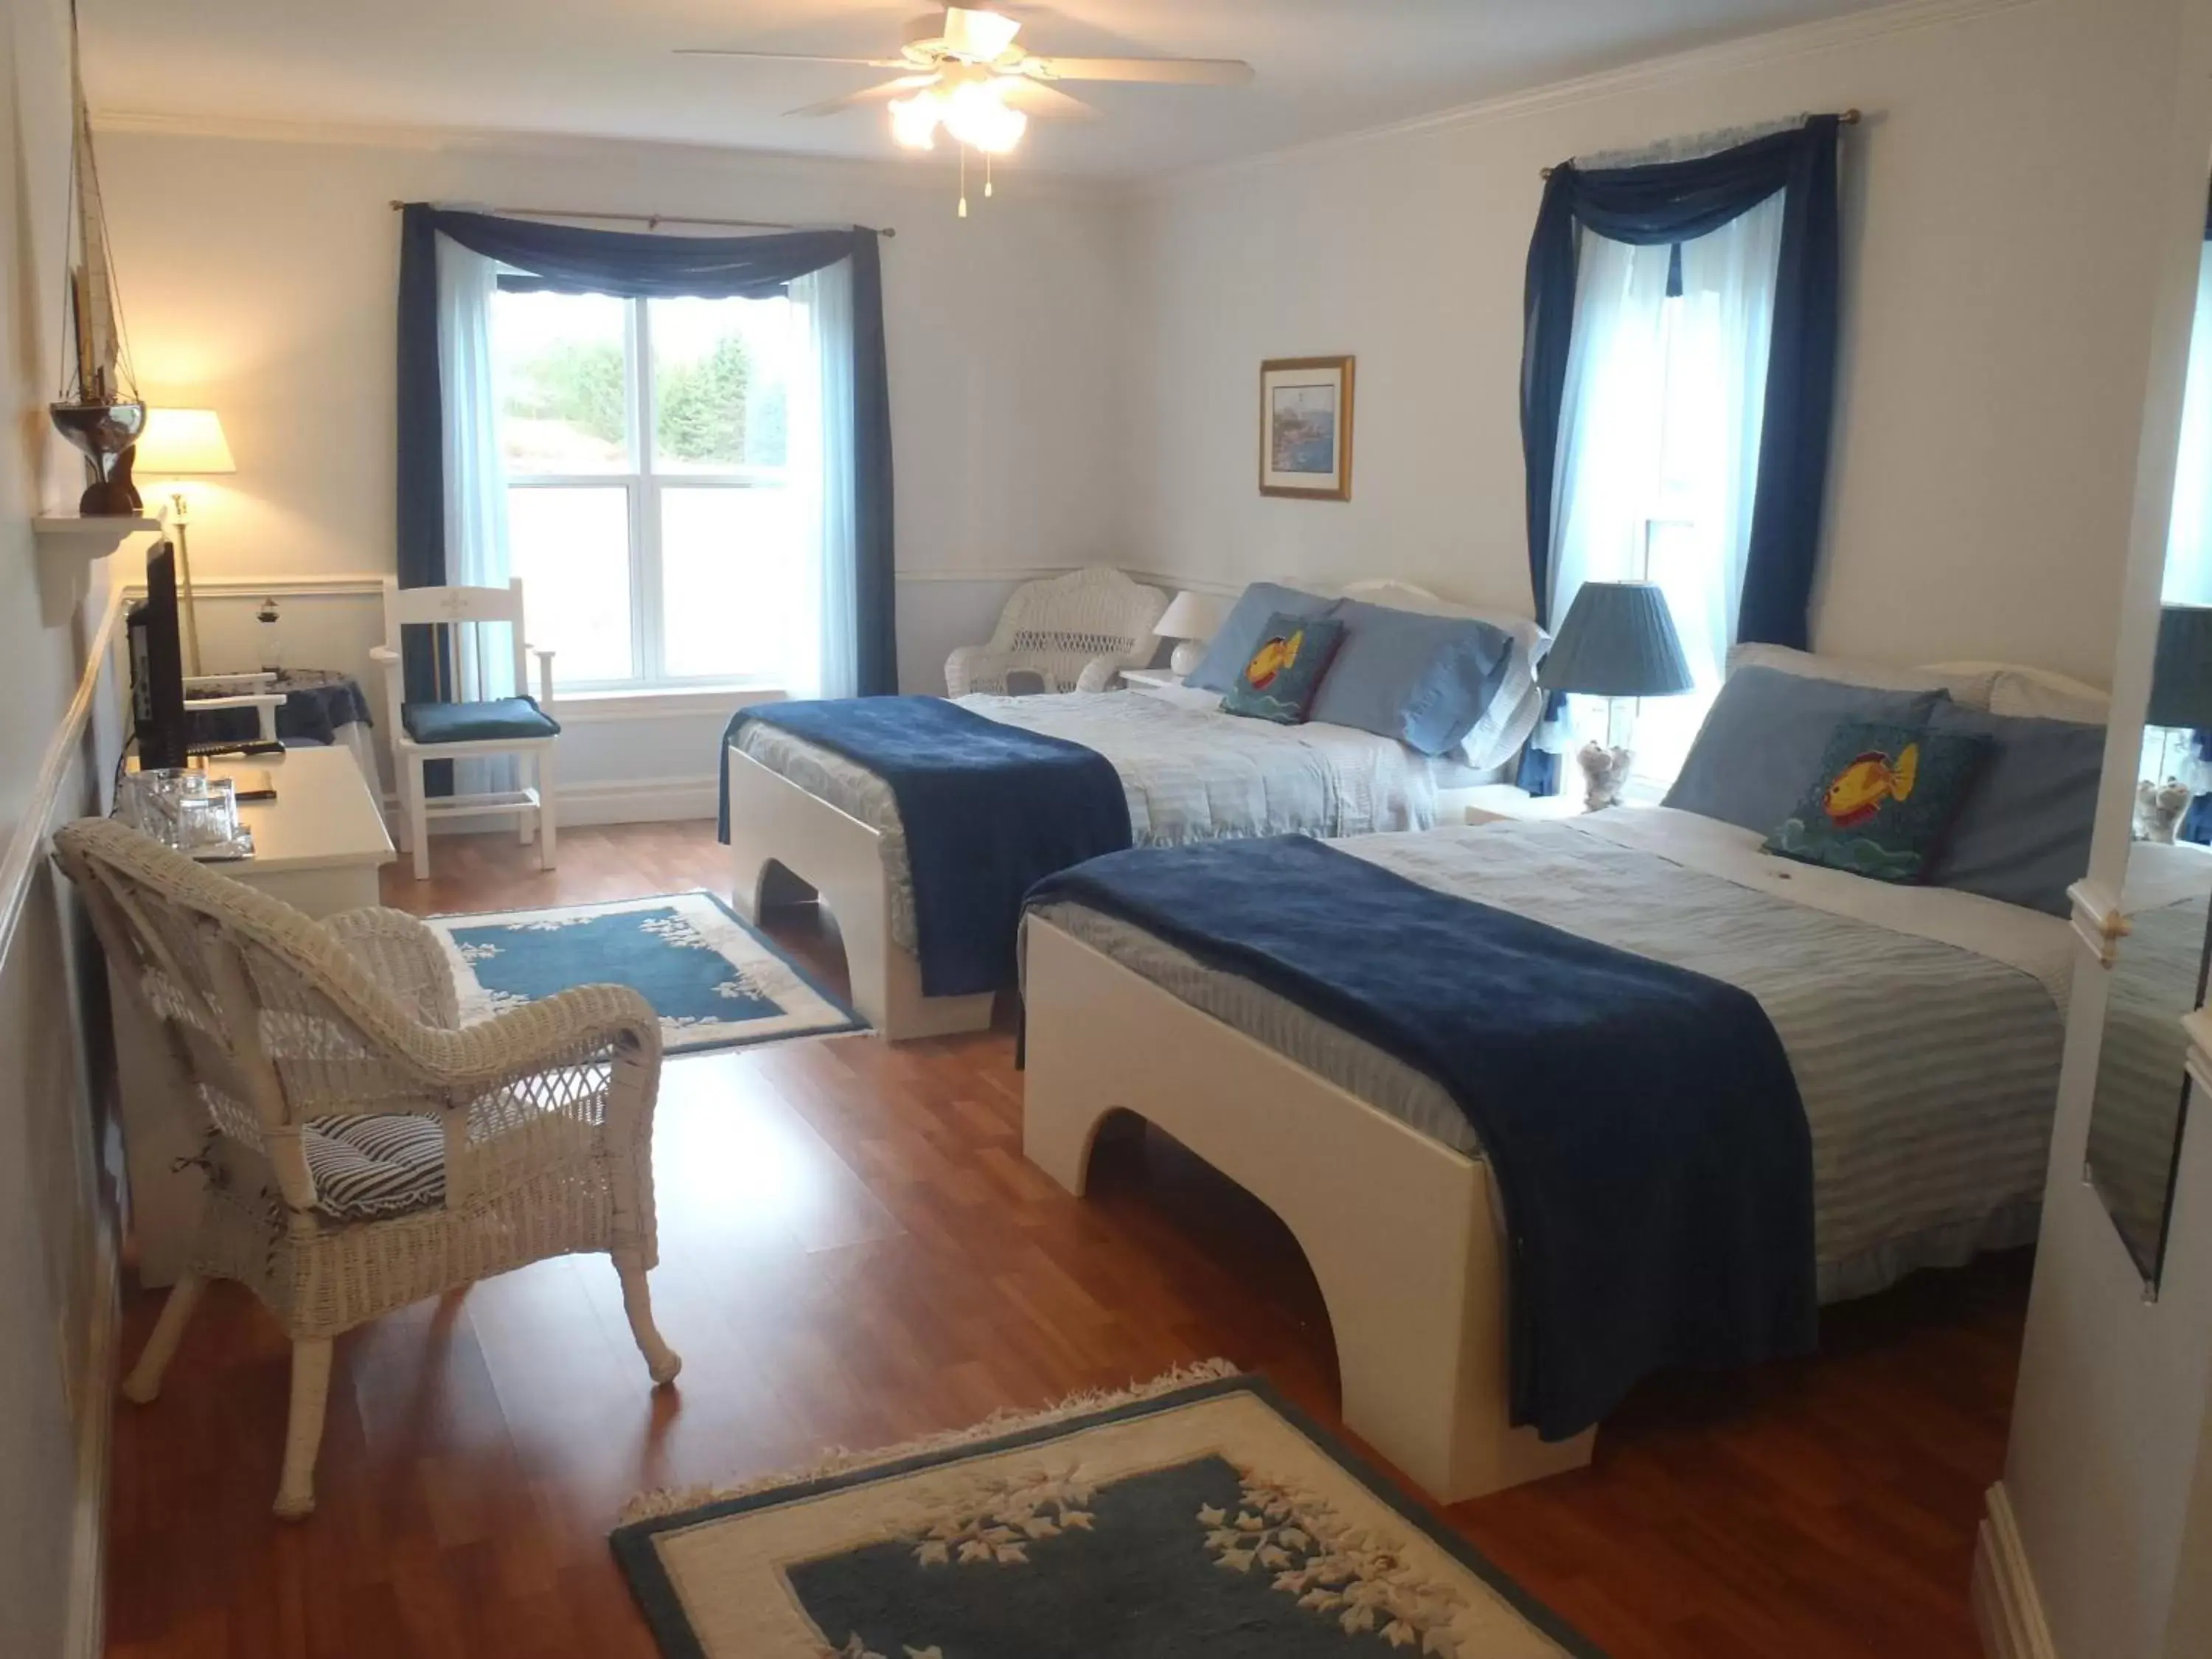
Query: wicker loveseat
pixel 1074 632
pixel 283 1034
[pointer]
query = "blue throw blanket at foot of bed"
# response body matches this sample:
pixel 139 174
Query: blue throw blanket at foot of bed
pixel 988 809
pixel 1641 1122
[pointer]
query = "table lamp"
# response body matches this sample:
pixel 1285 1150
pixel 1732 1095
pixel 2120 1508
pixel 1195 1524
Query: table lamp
pixel 182 443
pixel 1191 620
pixel 2180 701
pixel 1619 640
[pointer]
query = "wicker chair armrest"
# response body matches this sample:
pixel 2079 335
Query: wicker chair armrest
pixel 975 668
pixel 1099 674
pixel 404 958
pixel 563 1029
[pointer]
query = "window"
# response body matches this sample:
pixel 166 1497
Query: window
pixel 1659 458
pixel 651 484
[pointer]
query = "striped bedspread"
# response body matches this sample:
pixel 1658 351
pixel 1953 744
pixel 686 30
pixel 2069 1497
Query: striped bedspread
pixel 1924 1028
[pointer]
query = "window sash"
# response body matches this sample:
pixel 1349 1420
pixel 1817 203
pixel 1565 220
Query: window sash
pixel 643 487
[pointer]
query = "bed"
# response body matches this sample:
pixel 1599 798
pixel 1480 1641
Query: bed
pixel 1928 1138
pixel 800 817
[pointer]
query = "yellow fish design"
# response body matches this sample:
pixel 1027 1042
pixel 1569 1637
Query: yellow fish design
pixel 1858 790
pixel 1272 658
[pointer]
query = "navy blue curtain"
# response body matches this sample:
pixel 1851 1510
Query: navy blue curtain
pixel 567 259
pixel 1677 202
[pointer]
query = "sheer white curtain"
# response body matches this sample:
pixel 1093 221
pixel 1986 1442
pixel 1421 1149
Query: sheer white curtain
pixel 476 485
pixel 824 660
pixel 1659 451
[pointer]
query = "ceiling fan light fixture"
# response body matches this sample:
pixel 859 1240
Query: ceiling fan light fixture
pixel 914 119
pixel 977 115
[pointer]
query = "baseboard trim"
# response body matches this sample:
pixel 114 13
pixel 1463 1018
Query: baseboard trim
pixel 2006 1611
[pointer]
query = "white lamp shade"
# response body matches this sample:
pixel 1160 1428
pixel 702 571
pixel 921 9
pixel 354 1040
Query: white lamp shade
pixel 1190 617
pixel 180 440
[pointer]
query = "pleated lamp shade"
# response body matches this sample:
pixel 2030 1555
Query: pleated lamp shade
pixel 2181 673
pixel 1619 640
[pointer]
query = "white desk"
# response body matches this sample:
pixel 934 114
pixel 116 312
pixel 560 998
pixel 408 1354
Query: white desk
pixel 318 847
pixel 1149 679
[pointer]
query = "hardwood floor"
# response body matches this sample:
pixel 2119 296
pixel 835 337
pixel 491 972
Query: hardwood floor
pixel 853 1252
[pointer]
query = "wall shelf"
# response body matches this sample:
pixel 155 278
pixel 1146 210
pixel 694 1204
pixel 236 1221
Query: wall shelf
pixel 93 538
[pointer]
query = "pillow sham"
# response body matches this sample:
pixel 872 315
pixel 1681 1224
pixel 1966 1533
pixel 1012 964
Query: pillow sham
pixel 2023 835
pixel 1423 680
pixel 1882 801
pixel 1285 672
pixel 1767 732
pixel 1239 635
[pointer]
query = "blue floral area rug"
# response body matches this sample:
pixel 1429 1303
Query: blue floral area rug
pixel 1180 1520
pixel 715 981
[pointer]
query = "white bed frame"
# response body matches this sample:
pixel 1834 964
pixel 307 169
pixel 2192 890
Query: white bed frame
pixel 1401 1233
pixel 775 825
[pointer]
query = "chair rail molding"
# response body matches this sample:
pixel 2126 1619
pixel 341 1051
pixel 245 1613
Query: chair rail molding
pixel 2006 1611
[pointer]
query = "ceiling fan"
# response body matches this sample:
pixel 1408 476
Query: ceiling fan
pixel 963 73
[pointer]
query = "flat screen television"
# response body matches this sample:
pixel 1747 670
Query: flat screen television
pixel 157 666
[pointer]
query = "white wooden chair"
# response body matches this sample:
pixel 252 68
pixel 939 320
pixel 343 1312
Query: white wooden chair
pixel 470 721
pixel 365 1149
pixel 1075 632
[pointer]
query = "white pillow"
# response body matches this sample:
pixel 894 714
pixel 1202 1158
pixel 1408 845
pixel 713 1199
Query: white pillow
pixel 2037 693
pixel 1971 688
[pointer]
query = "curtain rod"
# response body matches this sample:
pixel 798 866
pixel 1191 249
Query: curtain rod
pixel 1850 118
pixel 651 221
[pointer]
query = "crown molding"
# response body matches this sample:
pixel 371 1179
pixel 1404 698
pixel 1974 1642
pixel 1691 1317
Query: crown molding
pixel 886 172
pixel 1744 51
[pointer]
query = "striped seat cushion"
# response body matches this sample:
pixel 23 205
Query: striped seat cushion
pixel 365 1168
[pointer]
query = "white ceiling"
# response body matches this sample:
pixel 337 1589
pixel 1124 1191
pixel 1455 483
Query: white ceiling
pixel 603 67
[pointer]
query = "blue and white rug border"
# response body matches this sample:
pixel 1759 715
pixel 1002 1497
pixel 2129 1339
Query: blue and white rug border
pixel 673 1041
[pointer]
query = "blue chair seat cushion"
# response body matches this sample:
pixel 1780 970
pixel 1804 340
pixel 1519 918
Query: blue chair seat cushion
pixel 477 722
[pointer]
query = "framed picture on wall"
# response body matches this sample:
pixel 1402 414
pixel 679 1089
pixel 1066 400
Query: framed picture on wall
pixel 1305 427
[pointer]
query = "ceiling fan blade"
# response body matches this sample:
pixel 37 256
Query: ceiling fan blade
pixel 790 57
pixel 1041 102
pixel 1177 71
pixel 876 95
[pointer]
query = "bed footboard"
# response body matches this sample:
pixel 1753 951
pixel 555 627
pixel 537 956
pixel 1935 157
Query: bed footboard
pixel 1401 1231
pixel 777 827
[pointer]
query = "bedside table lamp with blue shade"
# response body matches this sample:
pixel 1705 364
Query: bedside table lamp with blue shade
pixel 1617 640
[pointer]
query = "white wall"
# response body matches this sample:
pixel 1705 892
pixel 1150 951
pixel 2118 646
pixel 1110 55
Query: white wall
pixel 260 272
pixel 1992 219
pixel 57 1292
pixel 2109 1470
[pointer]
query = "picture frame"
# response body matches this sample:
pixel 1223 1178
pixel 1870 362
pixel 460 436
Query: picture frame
pixel 1305 427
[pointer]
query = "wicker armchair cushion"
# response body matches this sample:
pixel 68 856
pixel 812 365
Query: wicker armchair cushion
pixel 369 1168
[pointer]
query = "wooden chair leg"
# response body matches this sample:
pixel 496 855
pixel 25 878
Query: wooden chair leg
pixel 303 1428
pixel 525 775
pixel 418 814
pixel 661 1361
pixel 144 1382
pixel 547 853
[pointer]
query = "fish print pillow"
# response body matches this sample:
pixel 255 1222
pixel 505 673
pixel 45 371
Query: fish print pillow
pixel 1284 671
pixel 1884 802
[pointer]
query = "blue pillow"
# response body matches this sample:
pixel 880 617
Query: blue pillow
pixel 1767 734
pixel 2023 835
pixel 1285 669
pixel 1883 801
pixel 1239 636
pixel 1422 680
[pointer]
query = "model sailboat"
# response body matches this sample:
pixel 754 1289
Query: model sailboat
pixel 99 410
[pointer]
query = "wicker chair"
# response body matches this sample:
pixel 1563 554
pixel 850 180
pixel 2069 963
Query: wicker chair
pixel 1074 632
pixel 279 1028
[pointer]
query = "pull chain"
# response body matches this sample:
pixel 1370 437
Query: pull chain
pixel 986 174
pixel 963 181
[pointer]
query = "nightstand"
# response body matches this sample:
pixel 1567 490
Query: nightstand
pixel 1150 679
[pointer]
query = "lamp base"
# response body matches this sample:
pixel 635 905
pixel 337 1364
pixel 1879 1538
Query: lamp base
pixel 1605 775
pixel 1186 656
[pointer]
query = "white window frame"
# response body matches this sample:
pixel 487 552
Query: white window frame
pixel 643 486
